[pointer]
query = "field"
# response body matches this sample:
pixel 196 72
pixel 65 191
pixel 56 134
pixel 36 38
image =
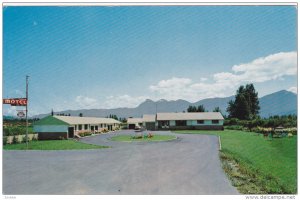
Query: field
pixel 52 145
pixel 155 138
pixel 258 165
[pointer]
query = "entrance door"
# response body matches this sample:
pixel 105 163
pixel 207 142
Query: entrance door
pixel 71 132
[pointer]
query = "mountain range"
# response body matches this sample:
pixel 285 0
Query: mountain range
pixel 279 103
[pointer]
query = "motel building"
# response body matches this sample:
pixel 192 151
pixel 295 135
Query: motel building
pixel 56 127
pixel 179 121
pixel 190 121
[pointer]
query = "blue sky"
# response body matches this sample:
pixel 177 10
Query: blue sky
pixel 107 57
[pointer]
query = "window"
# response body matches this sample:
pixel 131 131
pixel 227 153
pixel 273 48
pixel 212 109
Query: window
pixel 96 128
pixel 214 121
pixel 75 127
pixel 85 127
pixel 80 127
pixel 163 124
pixel 200 121
pixel 92 128
pixel 180 123
pixel 101 125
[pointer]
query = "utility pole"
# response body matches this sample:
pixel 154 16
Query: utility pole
pixel 27 111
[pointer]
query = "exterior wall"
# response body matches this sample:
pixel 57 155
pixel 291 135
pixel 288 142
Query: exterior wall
pixel 203 127
pixel 50 128
pixel 100 129
pixel 52 136
pixel 172 122
pixel 206 122
pixel 193 125
pixel 150 126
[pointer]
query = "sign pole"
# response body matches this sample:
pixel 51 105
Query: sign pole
pixel 27 111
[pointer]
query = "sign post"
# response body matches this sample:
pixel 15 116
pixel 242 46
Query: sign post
pixel 27 111
pixel 21 102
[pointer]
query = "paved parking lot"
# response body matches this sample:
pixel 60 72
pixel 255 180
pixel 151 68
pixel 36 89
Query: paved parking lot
pixel 187 165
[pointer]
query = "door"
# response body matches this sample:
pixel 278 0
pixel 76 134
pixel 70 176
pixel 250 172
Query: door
pixel 131 126
pixel 71 132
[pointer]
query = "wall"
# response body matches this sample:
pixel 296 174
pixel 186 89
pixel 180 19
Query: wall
pixel 50 128
pixel 206 122
pixel 203 127
pixel 52 136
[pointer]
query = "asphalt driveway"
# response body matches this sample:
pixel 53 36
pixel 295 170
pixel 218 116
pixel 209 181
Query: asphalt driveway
pixel 187 165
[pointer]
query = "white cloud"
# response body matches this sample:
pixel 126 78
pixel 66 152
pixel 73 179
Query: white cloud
pixel 86 102
pixel 293 89
pixel 10 110
pixel 272 67
pixel 123 101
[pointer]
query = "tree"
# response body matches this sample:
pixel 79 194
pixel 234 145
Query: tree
pixel 52 113
pixel 112 116
pixel 80 114
pixel 200 108
pixel 217 109
pixel 252 98
pixel 245 105
pixel 192 109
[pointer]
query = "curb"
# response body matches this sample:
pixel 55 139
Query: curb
pixel 220 145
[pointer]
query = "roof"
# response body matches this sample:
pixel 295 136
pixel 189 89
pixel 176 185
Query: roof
pixel 148 118
pixel 134 120
pixel 190 116
pixel 50 120
pixel 86 120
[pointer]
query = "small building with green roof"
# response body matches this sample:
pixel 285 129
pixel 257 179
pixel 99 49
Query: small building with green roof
pixel 57 127
pixel 51 128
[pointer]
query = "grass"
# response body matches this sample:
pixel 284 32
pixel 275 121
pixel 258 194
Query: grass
pixel 52 145
pixel 157 138
pixel 257 165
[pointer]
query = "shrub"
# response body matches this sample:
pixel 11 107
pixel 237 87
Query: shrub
pixel 5 139
pixel 105 130
pixel 34 138
pixel 83 134
pixel 15 139
pixel 150 135
pixel 234 127
pixel 24 139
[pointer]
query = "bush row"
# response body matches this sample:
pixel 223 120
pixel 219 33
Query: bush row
pixel 16 130
pixel 287 121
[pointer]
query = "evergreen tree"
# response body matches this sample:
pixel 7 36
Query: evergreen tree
pixel 245 105
pixel 217 109
pixel 252 98
pixel 192 109
pixel 200 108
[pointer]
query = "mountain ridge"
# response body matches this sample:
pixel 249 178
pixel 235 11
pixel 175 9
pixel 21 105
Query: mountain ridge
pixel 278 103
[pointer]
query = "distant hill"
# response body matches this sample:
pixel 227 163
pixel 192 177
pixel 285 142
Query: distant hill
pixel 279 103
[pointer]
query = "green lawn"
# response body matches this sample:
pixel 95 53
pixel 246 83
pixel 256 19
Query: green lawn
pixel 127 138
pixel 52 145
pixel 266 166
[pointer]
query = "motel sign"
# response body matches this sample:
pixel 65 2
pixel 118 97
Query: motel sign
pixel 16 101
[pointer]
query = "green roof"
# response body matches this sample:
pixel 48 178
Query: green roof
pixel 50 120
